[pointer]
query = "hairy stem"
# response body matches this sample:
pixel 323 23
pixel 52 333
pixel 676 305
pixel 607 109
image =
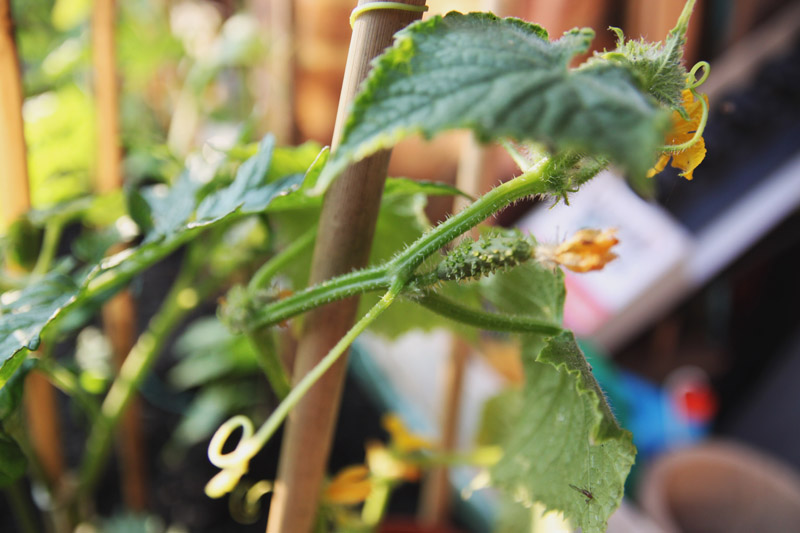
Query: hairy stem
pixel 52 235
pixel 269 361
pixel 249 446
pixel 358 282
pixel 403 266
pixel 527 184
pixel 264 275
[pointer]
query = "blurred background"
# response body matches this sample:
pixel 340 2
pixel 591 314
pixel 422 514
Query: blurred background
pixel 693 332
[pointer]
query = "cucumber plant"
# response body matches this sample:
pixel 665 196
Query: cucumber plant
pixel 503 79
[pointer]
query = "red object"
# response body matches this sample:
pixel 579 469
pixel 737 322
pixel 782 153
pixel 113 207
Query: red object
pixel 409 525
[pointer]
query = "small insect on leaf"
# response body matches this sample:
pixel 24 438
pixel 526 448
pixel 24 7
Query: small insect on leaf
pixel 588 494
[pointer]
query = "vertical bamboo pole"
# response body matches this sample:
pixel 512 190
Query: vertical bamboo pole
pixel 15 198
pixel 109 160
pixel 321 46
pixel 276 79
pixel 436 495
pixel 347 225
pixel 40 398
pixel 119 314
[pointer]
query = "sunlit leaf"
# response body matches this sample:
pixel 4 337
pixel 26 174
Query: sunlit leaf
pixel 566 450
pixel 500 78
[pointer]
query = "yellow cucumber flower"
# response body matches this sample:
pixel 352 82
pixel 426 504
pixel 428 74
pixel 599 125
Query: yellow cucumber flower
pixel 350 486
pixel 585 251
pixel 401 438
pixel 683 132
pixel 387 465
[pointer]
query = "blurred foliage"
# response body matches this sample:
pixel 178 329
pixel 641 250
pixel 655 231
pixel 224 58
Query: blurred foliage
pixel 184 81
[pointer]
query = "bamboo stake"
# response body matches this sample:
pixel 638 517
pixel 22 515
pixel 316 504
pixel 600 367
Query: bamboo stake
pixel 276 80
pixel 321 45
pixel 40 398
pixel 119 314
pixel 109 160
pixel 436 497
pixel 347 225
pixel 15 197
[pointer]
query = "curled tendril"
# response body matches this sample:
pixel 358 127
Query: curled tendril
pixel 243 452
pixel 692 82
pixel 245 502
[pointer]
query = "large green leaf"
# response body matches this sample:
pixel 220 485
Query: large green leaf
pixel 530 289
pixel 13 462
pixel 23 314
pixel 566 451
pixel 500 78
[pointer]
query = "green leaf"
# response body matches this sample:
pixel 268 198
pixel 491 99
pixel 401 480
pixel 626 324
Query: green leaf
pixel 211 406
pixel 566 441
pixel 405 187
pixel 210 352
pixel 656 67
pixel 11 394
pixel 249 192
pixel 288 160
pixel 24 314
pixel 529 289
pixel 168 208
pixel 12 461
pixel 500 78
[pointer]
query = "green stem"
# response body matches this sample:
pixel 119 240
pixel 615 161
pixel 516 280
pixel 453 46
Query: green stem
pixel 264 275
pixel 52 236
pixel 358 282
pixel 527 184
pixel 67 382
pixel 261 337
pixel 481 319
pixel 403 266
pixel 146 255
pixel 376 503
pixel 131 374
pixel 21 508
pixel 261 341
pixel 249 446
pixel 682 26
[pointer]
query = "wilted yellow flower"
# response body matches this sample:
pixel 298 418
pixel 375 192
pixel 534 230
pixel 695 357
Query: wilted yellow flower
pixel 350 486
pixel 587 250
pixel 402 439
pixel 682 132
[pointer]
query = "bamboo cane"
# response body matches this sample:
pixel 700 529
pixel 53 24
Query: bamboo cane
pixel 119 314
pixel 15 198
pixel 276 79
pixel 347 225
pixel 40 398
pixel 435 504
